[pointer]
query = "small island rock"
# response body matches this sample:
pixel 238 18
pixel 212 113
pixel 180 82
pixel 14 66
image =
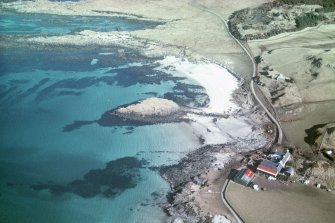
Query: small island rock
pixel 150 107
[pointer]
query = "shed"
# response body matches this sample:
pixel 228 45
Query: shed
pixel 244 177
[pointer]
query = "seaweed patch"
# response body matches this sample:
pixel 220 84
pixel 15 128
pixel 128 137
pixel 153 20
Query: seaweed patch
pixel 117 176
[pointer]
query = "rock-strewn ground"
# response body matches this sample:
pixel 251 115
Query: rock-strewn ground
pixel 197 180
pixel 317 164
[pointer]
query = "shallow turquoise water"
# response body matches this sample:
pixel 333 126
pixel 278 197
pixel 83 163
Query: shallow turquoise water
pixel 41 91
pixel 43 24
pixel 94 172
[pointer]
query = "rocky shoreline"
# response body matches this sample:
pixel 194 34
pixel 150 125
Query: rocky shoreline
pixel 192 176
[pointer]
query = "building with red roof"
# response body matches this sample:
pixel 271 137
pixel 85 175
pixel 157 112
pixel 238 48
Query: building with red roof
pixel 272 168
pixel 244 177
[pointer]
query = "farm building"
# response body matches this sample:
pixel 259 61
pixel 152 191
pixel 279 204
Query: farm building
pixel 244 177
pixel 273 168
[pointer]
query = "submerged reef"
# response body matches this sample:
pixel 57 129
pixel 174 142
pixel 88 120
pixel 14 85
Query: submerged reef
pixel 117 176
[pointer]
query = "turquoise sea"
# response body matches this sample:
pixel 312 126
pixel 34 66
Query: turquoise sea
pixel 61 158
pixel 49 24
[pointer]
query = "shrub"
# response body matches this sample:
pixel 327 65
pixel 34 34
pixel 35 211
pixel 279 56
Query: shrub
pixel 309 19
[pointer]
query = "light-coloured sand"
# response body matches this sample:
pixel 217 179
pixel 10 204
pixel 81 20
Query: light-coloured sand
pixel 245 132
pixel 217 81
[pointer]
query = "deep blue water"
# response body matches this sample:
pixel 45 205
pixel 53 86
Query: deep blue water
pixel 43 24
pixel 94 173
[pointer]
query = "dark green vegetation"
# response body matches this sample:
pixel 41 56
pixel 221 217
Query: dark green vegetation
pixel 328 5
pixel 316 62
pixel 265 73
pixel 313 134
pixel 276 98
pixel 259 18
pixel 330 130
pixel 258 59
pixel 307 20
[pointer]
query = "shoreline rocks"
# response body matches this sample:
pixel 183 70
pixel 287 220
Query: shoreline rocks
pixel 188 174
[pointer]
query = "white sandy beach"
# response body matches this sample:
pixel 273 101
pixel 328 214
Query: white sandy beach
pixel 220 86
pixel 217 81
pixel 231 130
